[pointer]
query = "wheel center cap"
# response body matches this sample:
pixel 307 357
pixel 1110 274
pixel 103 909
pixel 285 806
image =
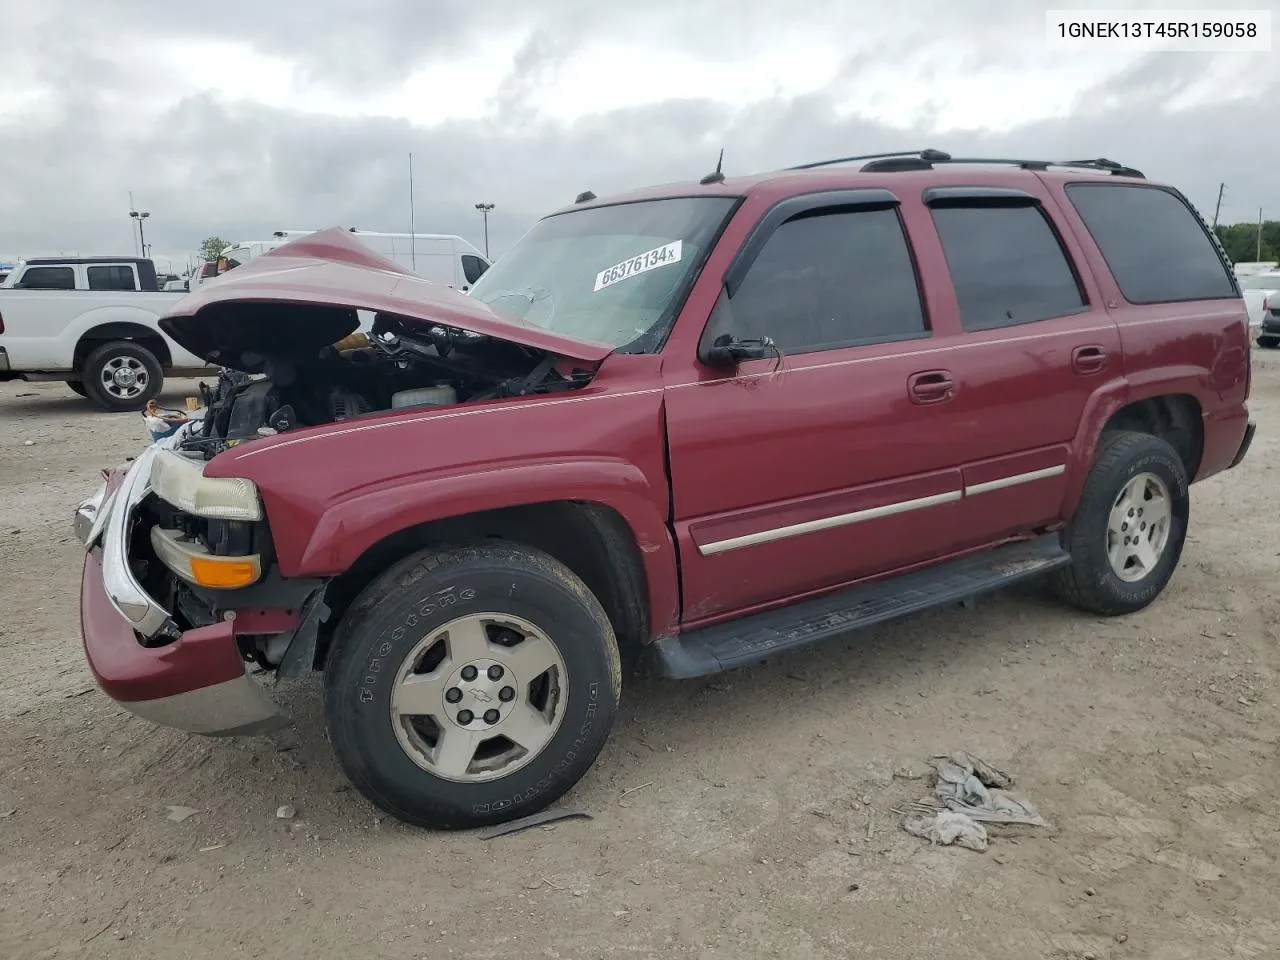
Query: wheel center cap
pixel 480 694
pixel 124 377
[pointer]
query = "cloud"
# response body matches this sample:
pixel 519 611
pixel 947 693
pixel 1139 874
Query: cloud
pixel 208 148
pixel 534 65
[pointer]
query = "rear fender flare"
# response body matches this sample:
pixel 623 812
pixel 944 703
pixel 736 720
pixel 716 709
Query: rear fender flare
pixel 1102 406
pixel 1106 403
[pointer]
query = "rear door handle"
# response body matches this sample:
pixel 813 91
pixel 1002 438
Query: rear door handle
pixel 931 386
pixel 1087 360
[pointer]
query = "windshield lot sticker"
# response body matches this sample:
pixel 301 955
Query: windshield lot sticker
pixel 641 263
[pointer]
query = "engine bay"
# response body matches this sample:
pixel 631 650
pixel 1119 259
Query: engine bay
pixel 393 366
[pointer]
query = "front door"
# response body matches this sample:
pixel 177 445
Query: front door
pixel 826 462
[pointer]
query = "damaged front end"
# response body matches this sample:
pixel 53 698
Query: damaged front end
pixel 182 591
pixel 396 365
pixel 203 544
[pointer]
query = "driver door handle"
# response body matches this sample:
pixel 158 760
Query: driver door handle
pixel 931 386
pixel 1087 360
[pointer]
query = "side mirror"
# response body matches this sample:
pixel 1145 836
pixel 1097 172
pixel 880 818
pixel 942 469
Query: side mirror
pixel 726 351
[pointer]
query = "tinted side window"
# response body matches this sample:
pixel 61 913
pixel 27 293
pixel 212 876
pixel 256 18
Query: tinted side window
pixel 473 267
pixel 831 279
pixel 48 278
pixel 1007 265
pixel 114 277
pixel 1154 245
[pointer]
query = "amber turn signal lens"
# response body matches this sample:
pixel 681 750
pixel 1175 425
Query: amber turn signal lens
pixel 223 573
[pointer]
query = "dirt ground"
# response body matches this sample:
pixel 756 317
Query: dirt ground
pixel 749 815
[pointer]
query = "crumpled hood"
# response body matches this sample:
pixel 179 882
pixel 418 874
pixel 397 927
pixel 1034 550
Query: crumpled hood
pixel 303 296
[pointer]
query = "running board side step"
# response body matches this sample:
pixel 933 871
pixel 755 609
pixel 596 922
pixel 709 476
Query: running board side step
pixel 737 643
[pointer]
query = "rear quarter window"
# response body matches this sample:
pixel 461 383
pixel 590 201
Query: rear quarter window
pixel 1153 243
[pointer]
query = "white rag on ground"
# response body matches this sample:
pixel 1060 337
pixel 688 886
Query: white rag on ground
pixel 972 793
pixel 946 827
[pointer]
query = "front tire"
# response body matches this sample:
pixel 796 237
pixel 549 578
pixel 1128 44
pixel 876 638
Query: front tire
pixel 471 686
pixel 77 388
pixel 122 375
pixel 1128 530
pixel 1268 343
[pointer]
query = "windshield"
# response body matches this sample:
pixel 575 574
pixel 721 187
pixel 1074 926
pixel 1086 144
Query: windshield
pixel 614 275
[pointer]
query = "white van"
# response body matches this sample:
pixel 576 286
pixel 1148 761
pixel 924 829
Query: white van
pixel 440 258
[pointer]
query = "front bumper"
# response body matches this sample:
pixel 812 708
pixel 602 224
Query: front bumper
pixel 193 680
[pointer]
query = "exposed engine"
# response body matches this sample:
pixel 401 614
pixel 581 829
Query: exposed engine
pixel 394 366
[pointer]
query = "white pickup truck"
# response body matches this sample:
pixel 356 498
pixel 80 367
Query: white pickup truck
pixel 91 322
pixel 1261 292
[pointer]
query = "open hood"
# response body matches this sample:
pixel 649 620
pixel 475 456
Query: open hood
pixel 303 296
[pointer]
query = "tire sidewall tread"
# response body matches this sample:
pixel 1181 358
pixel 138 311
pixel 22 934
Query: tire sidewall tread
pixel 89 375
pixel 1089 582
pixel 388 620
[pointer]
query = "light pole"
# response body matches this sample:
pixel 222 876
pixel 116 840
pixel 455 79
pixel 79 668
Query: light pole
pixel 484 208
pixel 142 238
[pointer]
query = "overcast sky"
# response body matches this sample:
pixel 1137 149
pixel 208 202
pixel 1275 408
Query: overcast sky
pixel 239 117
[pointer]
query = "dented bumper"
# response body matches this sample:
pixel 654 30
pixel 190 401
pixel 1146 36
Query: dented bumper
pixel 193 680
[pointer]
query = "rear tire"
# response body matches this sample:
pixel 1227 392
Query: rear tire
pixel 121 375
pixel 1129 527
pixel 471 686
pixel 1269 343
pixel 77 387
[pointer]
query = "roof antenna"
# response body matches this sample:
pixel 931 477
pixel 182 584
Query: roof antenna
pixel 717 176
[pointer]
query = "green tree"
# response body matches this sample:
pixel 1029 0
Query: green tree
pixel 1240 240
pixel 211 247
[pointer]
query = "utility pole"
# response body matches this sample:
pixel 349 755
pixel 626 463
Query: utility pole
pixel 1258 256
pixel 413 236
pixel 132 208
pixel 484 208
pixel 1218 207
pixel 140 216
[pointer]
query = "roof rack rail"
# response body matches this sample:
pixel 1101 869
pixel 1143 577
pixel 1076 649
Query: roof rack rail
pixel 1110 166
pixel 900 160
pixel 929 153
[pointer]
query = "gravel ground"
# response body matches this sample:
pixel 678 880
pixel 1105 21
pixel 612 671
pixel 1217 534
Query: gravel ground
pixel 749 815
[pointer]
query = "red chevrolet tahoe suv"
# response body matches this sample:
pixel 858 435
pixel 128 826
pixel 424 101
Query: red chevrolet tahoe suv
pixel 711 422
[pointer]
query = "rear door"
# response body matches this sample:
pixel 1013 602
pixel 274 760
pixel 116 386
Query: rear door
pixel 112 276
pixel 822 464
pixel 1031 342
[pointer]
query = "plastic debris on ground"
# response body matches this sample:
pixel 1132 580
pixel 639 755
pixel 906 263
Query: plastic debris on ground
pixel 968 793
pixel 946 827
pixel 161 422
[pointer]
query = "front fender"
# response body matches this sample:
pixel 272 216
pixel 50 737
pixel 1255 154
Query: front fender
pixel 351 526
